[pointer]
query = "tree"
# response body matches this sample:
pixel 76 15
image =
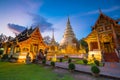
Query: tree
pixel 76 42
pixel 84 44
pixel 47 39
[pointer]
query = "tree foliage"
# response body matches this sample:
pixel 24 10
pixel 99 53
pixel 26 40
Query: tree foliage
pixel 47 39
pixel 83 44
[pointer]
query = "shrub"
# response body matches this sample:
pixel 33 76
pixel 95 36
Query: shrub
pixel 71 66
pixel 43 61
pixel 61 59
pixel 95 69
pixel 52 64
pixel 11 57
pixel 97 62
pixel 1 52
pixel 5 57
pixel 34 61
pixel 85 61
pixel 69 60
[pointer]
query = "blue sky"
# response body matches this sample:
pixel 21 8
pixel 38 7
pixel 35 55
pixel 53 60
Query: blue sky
pixel 16 15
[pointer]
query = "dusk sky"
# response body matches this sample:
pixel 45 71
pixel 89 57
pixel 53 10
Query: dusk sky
pixel 16 15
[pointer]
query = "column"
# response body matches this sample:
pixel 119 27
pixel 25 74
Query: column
pixel 5 48
pixel 114 36
pixel 89 47
pixel 98 40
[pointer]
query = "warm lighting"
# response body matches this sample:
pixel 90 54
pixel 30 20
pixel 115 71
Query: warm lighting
pixel 96 54
pixel 22 57
pixel 54 58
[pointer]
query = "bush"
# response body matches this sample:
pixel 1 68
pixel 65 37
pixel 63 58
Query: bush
pixel 61 59
pixel 69 60
pixel 5 57
pixel 11 57
pixel 71 66
pixel 52 63
pixel 1 52
pixel 95 69
pixel 85 61
pixel 97 62
pixel 43 61
pixel 34 61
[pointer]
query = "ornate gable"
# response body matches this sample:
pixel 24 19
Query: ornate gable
pixel 103 23
pixel 37 37
pixel 92 36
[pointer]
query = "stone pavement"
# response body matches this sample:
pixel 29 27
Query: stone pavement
pixel 109 70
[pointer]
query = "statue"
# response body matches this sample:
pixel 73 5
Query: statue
pixel 54 58
pixel 28 59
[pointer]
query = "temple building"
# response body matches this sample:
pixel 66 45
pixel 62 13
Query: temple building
pixel 69 42
pixel 29 41
pixel 104 38
pixel 53 46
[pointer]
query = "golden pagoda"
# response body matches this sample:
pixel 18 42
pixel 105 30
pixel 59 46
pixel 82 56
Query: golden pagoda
pixel 68 43
pixel 104 39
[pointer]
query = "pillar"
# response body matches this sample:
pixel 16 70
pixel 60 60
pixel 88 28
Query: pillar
pixel 89 47
pixel 114 36
pixel 98 40
pixel 5 49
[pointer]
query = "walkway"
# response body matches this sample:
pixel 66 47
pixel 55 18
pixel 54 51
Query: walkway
pixel 110 69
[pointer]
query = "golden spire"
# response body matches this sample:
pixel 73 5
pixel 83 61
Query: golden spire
pixel 53 39
pixel 53 35
pixel 68 22
pixel 100 11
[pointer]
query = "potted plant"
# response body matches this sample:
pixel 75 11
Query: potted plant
pixel 97 62
pixel 71 67
pixel 85 61
pixel 4 57
pixel 44 62
pixel 95 71
pixel 69 60
pixel 52 64
pixel 61 59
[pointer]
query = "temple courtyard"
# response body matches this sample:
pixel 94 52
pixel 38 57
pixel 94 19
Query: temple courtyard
pixel 19 71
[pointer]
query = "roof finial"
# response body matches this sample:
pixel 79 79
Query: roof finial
pixel 100 11
pixel 68 22
pixel 53 34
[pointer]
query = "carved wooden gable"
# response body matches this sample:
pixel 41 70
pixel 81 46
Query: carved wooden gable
pixel 104 23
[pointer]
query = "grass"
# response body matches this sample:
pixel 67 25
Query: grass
pixel 15 71
pixel 79 61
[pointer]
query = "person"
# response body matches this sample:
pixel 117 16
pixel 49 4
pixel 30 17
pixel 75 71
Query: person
pixel 45 53
pixel 28 59
pixel 40 55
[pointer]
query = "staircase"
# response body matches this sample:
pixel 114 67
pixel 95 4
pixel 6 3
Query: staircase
pixel 111 57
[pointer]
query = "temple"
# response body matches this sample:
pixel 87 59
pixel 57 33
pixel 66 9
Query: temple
pixel 69 42
pixel 29 42
pixel 104 38
pixel 53 46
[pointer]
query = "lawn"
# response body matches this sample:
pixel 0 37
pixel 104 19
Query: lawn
pixel 16 71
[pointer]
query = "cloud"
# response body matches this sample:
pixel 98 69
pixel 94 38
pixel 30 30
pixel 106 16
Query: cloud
pixel 16 29
pixel 114 8
pixel 37 20
pixel 42 22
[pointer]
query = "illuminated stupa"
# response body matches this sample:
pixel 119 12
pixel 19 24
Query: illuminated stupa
pixel 69 39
